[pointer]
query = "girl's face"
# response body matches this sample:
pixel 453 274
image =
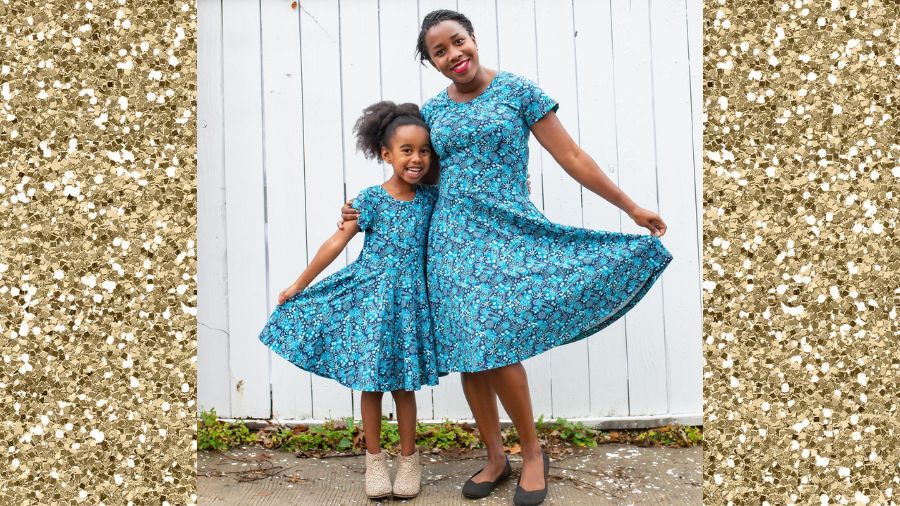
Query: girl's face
pixel 409 153
pixel 452 51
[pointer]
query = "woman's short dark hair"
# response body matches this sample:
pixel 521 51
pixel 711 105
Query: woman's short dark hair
pixel 433 18
pixel 378 122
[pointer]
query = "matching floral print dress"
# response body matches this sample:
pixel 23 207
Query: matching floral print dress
pixel 504 283
pixel 368 326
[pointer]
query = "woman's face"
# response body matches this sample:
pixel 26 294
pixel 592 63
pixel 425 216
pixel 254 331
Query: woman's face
pixel 452 51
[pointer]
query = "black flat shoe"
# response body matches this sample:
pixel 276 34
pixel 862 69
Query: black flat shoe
pixel 474 490
pixel 533 497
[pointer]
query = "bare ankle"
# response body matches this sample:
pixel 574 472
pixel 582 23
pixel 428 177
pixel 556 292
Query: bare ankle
pixel 532 453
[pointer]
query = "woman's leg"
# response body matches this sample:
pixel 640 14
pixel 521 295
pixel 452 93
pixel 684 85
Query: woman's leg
pixel 511 384
pixel 483 402
pixel 371 416
pixel 406 420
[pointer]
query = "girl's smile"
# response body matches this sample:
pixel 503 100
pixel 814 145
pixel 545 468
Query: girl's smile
pixel 409 153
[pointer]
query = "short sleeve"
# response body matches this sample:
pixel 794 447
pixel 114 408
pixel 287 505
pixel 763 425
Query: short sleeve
pixel 364 203
pixel 534 103
pixel 425 111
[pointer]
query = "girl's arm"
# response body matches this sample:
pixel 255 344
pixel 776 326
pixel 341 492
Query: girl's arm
pixel 578 164
pixel 329 250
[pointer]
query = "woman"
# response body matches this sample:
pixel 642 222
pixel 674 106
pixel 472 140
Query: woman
pixel 505 283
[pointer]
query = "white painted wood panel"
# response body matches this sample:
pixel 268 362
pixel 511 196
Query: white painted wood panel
pixel 213 382
pixel 597 120
pixel 637 177
pixel 285 194
pixel 675 154
pixel 275 114
pixel 244 211
pixel 562 195
pixel 694 27
pixel 324 159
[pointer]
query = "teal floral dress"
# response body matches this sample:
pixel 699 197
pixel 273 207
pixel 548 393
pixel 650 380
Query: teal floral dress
pixel 368 326
pixel 504 282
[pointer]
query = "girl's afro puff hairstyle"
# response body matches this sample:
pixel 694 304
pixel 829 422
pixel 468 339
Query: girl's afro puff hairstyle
pixel 375 128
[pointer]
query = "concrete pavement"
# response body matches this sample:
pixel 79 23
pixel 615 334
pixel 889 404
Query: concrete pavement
pixel 610 474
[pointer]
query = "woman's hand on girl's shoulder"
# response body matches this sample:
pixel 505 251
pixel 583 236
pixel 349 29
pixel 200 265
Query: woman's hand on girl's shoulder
pixel 348 213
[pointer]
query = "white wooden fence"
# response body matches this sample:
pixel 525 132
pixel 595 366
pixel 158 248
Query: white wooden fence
pixel 279 90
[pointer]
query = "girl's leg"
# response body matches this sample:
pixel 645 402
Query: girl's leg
pixel 483 402
pixel 409 471
pixel 511 384
pixel 406 420
pixel 371 416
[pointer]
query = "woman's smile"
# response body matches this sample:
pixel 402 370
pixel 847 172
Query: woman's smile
pixel 460 67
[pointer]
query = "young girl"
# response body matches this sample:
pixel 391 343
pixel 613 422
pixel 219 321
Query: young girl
pixel 368 325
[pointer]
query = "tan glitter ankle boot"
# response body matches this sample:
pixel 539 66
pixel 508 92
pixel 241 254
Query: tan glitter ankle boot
pixel 378 479
pixel 409 476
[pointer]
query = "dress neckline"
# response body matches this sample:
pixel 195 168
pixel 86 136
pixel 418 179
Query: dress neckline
pixel 476 97
pixel 410 201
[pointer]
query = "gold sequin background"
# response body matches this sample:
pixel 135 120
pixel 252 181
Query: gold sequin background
pixel 97 254
pixel 801 252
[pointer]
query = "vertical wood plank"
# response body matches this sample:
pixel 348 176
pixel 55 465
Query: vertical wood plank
pixel 694 27
pixel 677 205
pixel 597 121
pixel 212 267
pixel 517 53
pixel 400 83
pixel 249 358
pixel 324 161
pixel 286 206
pixel 637 177
pixel 360 88
pixel 562 194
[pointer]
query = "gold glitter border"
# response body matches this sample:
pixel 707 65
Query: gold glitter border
pixel 800 252
pixel 800 263
pixel 97 263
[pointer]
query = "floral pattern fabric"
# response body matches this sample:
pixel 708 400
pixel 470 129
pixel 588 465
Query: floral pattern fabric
pixel 368 325
pixel 505 283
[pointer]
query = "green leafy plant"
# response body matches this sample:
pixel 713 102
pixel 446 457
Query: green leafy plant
pixel 446 435
pixel 214 434
pixel 670 435
pixel 571 432
pixel 347 436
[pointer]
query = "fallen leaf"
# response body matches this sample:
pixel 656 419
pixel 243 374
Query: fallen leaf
pixel 514 449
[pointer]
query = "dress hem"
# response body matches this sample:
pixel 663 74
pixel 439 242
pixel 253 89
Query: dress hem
pixel 369 389
pixel 613 316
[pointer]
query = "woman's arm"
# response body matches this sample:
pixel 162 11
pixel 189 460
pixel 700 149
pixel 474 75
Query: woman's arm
pixel 329 250
pixel 578 164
